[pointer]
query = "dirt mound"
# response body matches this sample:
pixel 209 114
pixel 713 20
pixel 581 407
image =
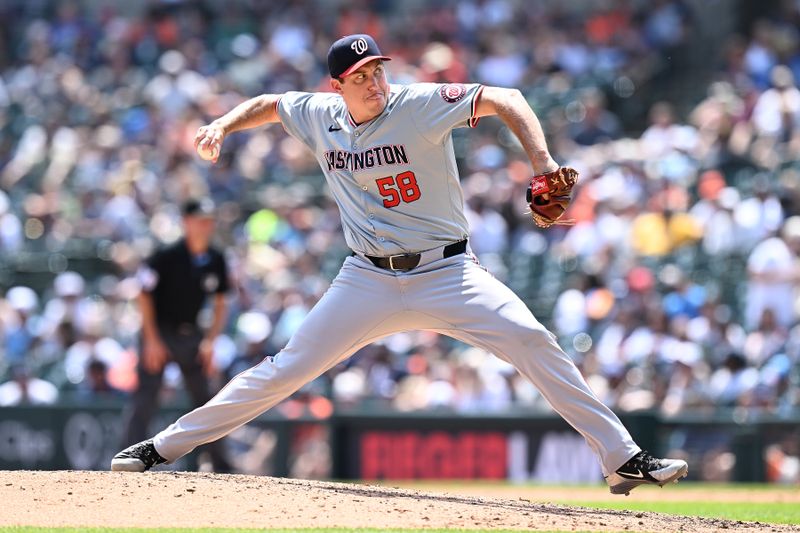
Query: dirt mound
pixel 182 499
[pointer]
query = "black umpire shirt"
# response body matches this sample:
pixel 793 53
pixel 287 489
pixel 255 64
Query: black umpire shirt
pixel 179 282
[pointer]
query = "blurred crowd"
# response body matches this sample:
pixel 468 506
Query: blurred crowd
pixel 675 289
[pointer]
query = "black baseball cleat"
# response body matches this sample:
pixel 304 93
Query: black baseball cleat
pixel 644 469
pixel 137 458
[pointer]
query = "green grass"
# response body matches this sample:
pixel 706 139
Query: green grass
pixel 779 513
pixel 694 504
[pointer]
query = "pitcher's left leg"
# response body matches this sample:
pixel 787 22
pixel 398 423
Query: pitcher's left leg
pixel 484 312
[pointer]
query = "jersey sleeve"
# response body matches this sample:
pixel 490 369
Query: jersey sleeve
pixel 438 108
pixel 300 114
pixel 149 272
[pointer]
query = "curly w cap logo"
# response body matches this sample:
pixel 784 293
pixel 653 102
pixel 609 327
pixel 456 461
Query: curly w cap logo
pixel 359 46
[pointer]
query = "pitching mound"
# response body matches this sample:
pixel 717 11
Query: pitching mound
pixel 182 499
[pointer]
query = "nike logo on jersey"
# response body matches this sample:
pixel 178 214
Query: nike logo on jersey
pixel 334 128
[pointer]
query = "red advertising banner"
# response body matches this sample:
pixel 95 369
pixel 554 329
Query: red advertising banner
pixel 435 455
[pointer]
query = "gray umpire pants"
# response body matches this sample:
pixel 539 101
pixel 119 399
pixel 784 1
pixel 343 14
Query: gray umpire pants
pixel 183 343
pixel 454 296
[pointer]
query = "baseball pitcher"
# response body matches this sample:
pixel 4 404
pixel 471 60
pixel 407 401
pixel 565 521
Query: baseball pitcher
pixel 387 155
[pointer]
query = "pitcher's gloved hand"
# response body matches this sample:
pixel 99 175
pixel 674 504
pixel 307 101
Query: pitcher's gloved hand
pixel 549 195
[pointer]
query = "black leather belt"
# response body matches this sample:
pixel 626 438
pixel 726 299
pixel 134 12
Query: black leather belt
pixel 406 262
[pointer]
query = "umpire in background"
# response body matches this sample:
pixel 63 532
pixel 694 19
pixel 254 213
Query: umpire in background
pixel 176 282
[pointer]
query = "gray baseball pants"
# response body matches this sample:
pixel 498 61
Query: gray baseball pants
pixel 454 296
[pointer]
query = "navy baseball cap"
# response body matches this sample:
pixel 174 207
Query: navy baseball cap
pixel 199 207
pixel 351 52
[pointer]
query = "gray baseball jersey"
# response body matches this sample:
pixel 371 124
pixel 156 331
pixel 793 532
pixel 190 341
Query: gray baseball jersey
pixel 395 177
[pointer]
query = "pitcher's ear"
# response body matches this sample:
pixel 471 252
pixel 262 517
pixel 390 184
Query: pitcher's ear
pixel 336 85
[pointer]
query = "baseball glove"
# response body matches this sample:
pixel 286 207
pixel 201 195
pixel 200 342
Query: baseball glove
pixel 549 194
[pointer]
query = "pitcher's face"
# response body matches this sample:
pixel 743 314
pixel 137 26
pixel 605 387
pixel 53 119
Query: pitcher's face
pixel 365 91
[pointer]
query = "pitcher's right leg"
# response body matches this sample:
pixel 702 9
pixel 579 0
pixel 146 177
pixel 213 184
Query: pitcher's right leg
pixel 358 308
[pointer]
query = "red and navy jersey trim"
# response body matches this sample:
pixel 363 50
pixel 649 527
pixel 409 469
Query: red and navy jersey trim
pixel 473 120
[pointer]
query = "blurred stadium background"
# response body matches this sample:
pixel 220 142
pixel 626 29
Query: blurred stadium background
pixel 676 292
